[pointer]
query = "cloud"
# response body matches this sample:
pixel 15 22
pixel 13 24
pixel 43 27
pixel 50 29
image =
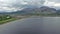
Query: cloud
pixel 58 1
pixel 14 5
pixel 24 3
pixel 57 4
pixel 48 3
pixel 9 9
pixel 8 5
pixel 52 3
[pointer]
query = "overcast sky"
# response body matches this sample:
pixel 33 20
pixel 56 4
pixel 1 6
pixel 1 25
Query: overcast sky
pixel 14 5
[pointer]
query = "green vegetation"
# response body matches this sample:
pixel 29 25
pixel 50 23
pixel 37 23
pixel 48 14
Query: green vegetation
pixel 9 18
pixel 5 19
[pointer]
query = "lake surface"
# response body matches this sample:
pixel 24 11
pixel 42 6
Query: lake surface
pixel 32 25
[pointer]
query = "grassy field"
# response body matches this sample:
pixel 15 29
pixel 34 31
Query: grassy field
pixel 5 21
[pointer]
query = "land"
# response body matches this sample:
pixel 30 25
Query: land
pixel 9 18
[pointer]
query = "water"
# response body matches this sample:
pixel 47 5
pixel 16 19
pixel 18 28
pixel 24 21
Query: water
pixel 51 25
pixel 32 25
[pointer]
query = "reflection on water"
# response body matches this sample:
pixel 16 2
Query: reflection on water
pixel 51 25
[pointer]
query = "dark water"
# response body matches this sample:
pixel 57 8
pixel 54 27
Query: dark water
pixel 33 25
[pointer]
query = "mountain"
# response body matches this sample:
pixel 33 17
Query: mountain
pixel 35 10
pixel 58 11
pixel 48 10
pixel 43 9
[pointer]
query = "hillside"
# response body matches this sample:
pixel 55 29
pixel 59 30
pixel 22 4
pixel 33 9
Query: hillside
pixel 29 11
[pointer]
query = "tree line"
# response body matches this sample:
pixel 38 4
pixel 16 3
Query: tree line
pixel 5 17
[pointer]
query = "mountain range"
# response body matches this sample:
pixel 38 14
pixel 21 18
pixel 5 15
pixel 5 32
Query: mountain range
pixel 34 10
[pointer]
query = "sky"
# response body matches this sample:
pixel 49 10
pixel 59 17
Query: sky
pixel 14 5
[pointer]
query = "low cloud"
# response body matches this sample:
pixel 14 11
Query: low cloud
pixel 14 5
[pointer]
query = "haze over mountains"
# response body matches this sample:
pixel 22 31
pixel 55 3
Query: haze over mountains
pixel 29 6
pixel 34 10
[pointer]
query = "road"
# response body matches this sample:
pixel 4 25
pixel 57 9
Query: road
pixel 32 25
